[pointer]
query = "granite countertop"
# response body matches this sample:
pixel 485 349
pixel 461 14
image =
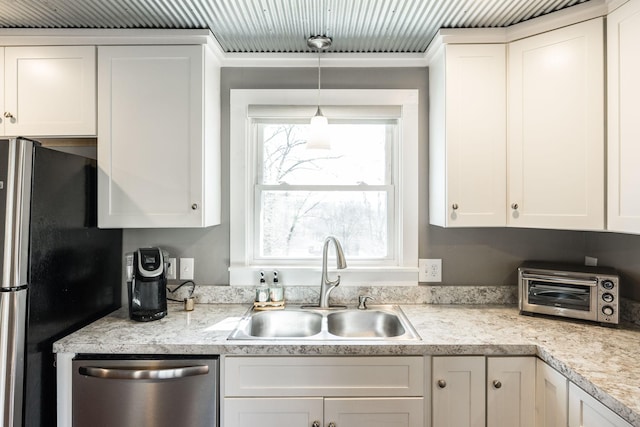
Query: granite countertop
pixel 603 361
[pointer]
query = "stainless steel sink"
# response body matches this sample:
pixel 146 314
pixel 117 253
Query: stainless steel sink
pixel 284 324
pixel 365 324
pixel 378 322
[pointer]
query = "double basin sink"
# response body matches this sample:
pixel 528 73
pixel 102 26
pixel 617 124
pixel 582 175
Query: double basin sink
pixel 378 322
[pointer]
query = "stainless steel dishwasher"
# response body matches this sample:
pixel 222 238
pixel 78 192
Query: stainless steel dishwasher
pixel 145 392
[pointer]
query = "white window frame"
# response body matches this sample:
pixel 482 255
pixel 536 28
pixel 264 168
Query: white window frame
pixel 243 269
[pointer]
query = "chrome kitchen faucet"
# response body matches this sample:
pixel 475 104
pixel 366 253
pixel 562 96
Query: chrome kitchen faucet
pixel 326 285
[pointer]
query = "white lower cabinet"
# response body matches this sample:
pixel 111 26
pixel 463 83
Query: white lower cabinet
pixel 585 411
pixel 318 411
pixel 551 396
pixel 311 391
pixel 560 403
pixel 273 412
pixel 464 387
pixel 458 398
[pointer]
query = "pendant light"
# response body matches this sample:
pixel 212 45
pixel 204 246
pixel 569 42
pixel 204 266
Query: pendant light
pixel 319 133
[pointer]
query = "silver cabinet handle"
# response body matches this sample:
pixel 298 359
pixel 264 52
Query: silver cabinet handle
pixel 454 206
pixel 144 374
pixel 194 206
pixel 514 206
pixel 315 424
pixel 442 383
pixel 497 384
pixel 332 424
pixel 8 115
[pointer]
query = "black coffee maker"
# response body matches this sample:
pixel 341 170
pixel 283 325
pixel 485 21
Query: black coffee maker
pixel 147 283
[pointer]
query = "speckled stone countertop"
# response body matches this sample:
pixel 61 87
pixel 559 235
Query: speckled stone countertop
pixel 603 361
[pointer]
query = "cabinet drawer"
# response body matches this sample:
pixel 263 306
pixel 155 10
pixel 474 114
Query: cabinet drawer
pixel 324 376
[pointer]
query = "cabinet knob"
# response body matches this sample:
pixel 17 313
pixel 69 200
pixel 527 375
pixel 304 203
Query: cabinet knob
pixel 454 206
pixel 514 206
pixel 8 115
pixel 194 206
pixel 442 383
pixel 497 384
pixel 332 424
pixel 315 424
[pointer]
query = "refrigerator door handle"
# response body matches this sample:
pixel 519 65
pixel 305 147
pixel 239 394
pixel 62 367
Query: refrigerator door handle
pixel 17 213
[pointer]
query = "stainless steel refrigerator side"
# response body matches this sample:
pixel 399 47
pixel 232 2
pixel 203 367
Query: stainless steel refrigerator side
pixel 13 307
pixel 16 194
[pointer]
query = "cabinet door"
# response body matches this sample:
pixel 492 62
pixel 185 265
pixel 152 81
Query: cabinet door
pixel 372 412
pixel 551 396
pixel 50 90
pixel 468 136
pixel 150 136
pixel 556 129
pixel 585 411
pixel 623 64
pixel 511 385
pixel 278 412
pixel 458 391
pixel 2 109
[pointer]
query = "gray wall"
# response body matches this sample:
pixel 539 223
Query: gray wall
pixel 469 256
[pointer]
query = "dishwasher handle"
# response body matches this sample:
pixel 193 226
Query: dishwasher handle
pixel 143 374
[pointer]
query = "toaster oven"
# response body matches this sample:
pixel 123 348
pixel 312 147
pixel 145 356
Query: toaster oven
pixel 574 291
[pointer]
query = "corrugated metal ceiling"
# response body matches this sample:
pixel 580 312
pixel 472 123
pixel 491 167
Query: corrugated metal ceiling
pixel 284 25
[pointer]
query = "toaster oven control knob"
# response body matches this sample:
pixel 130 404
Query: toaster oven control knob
pixel 607 310
pixel 607 297
pixel 607 284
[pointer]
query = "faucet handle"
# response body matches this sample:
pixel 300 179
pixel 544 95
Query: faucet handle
pixel 362 301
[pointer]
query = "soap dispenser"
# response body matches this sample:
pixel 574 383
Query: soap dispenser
pixel 276 291
pixel 262 291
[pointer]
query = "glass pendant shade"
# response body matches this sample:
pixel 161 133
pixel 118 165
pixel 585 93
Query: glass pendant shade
pixel 319 132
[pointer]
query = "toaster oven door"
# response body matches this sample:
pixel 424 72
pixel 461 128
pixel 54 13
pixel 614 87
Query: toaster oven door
pixel 568 297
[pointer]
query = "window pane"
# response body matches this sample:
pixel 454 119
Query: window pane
pixel 358 155
pixel 294 224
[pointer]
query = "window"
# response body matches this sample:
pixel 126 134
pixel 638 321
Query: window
pixel 303 195
pixel 285 198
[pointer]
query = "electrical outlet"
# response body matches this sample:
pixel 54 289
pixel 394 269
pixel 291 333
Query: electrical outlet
pixel 430 270
pixel 186 268
pixel 590 261
pixel 171 271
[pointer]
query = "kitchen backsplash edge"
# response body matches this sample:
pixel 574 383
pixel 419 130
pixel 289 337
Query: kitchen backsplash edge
pixel 423 294
pixel 349 294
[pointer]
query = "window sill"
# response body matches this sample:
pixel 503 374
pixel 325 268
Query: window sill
pixel 310 276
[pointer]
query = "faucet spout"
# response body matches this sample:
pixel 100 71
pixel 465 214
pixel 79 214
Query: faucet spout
pixel 326 285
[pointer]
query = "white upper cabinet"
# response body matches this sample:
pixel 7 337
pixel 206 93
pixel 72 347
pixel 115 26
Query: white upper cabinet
pixel 49 91
pixel 556 129
pixel 158 137
pixel 623 65
pixel 467 136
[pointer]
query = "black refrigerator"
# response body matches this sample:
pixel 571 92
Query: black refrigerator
pixel 59 271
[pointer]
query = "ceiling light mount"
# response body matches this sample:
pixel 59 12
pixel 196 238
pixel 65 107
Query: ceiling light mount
pixel 319 42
